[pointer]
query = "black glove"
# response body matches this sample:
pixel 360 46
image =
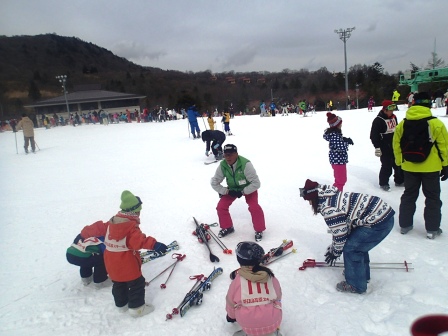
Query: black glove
pixel 235 193
pixel 160 248
pixel 330 258
pixel 348 140
pixel 444 173
pixel 229 319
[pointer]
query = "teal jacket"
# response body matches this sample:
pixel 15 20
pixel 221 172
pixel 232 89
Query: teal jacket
pixel 438 157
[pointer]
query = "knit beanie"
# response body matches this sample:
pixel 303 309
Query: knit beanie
pixel 129 202
pixel 309 191
pixel 333 120
pixel 249 253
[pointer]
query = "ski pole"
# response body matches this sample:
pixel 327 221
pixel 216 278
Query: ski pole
pixel 313 263
pixel 282 256
pixel 204 122
pixel 216 238
pixel 15 135
pixel 179 258
pixel 36 145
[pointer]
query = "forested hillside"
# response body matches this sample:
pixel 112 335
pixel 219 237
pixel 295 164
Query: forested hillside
pixel 29 64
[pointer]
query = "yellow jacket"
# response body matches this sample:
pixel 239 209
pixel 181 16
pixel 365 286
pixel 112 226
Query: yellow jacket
pixel 395 96
pixel 438 131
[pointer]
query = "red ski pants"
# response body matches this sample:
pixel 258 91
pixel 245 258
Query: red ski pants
pixel 225 221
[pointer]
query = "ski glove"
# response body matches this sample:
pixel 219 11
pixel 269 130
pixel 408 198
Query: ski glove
pixel 229 319
pixel 160 248
pixel 348 140
pixel 330 258
pixel 444 173
pixel 378 152
pixel 216 146
pixel 235 193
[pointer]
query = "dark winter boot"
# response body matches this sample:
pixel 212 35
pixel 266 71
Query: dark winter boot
pixel 225 232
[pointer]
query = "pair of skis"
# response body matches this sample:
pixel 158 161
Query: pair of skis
pixel 195 295
pixel 208 229
pixel 151 254
pixel 204 237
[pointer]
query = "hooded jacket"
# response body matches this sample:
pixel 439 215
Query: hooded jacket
pixel 438 156
pixel 123 239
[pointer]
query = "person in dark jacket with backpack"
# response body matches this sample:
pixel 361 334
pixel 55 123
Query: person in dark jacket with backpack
pixel 425 172
pixel 381 135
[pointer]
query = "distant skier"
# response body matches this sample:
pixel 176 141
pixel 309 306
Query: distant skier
pixel 193 114
pixel 214 141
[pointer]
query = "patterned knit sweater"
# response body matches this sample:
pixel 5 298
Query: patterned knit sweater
pixel 345 211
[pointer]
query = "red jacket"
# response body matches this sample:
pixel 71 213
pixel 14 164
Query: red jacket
pixel 123 238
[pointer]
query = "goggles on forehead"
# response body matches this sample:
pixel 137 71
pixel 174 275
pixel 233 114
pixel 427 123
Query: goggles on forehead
pixel 392 107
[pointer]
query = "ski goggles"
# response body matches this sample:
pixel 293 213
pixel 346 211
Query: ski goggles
pixel 392 107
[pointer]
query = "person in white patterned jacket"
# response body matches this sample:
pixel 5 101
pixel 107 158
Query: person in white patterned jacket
pixel 358 223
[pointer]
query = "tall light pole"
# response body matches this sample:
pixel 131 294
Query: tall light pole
pixel 344 35
pixel 357 90
pixel 63 79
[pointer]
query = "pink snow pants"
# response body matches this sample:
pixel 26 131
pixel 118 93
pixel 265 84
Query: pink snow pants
pixel 225 221
pixel 340 175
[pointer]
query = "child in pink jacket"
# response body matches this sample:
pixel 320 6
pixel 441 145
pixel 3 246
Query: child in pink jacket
pixel 254 296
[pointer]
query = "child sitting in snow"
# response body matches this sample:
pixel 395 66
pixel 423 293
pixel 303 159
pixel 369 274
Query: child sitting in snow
pixel 338 146
pixel 254 296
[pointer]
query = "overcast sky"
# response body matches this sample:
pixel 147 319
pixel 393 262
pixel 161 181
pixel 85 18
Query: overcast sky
pixel 245 35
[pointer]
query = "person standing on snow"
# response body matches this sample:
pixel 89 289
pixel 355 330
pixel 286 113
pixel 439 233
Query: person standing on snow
pixel 226 121
pixel 214 140
pixel 272 107
pixel 242 180
pixel 358 223
pixel 254 296
pixel 426 174
pixel 381 135
pixel 193 114
pixel 211 121
pixel 262 109
pixel 123 240
pixel 338 146
pixel 27 125
pixel 370 104
pixel 396 98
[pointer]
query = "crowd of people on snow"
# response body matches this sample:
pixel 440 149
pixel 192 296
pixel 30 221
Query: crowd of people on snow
pixel 358 222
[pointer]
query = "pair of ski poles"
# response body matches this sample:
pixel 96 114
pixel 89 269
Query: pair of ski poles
pixel 208 228
pixel 311 263
pixel 178 257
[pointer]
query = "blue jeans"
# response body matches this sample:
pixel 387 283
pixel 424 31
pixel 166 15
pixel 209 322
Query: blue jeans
pixel 356 252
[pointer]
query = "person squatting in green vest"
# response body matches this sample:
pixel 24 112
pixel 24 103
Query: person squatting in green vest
pixel 242 180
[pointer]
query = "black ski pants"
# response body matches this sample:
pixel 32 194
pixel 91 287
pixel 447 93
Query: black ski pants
pixel 387 165
pixel 430 183
pixel 131 293
pixel 95 262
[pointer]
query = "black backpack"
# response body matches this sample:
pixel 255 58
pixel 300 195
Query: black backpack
pixel 416 143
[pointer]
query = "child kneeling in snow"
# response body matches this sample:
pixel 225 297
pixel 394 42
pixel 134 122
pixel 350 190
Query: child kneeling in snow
pixel 254 296
pixel 123 238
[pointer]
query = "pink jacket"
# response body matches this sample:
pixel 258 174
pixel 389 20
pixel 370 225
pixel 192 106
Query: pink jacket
pixel 261 311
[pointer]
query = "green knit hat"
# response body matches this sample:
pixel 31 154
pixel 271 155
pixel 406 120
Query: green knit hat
pixel 129 202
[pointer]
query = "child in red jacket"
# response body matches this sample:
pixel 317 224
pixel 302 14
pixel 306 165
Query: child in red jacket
pixel 123 238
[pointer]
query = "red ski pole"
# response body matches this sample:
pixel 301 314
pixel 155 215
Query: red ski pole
pixel 177 256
